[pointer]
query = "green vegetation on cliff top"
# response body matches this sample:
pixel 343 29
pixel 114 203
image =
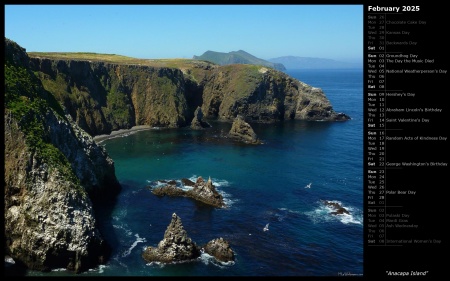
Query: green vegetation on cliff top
pixel 118 59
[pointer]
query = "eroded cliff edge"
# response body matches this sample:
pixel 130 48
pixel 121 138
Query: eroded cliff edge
pixel 53 172
pixel 102 96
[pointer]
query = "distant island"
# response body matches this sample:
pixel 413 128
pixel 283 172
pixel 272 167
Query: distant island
pixel 280 63
pixel 293 62
pixel 237 57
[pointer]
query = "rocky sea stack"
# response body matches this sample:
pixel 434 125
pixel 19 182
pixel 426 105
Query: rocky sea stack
pixel 243 132
pixel 53 172
pixel 197 123
pixel 177 246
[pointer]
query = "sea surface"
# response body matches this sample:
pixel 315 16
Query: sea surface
pixel 262 184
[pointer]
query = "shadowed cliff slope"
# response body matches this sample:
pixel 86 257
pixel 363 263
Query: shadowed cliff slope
pixel 53 171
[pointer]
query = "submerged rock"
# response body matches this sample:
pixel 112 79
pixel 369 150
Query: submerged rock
pixel 242 131
pixel 176 246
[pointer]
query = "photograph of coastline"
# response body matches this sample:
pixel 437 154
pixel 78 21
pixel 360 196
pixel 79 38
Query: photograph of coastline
pixel 184 140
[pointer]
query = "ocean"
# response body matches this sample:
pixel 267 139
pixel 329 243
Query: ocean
pixel 262 184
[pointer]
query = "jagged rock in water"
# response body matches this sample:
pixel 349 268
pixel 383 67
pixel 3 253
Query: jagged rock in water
pixel 203 191
pixel 197 122
pixel 169 190
pixel 242 131
pixel 220 249
pixel 187 182
pixel 206 192
pixel 338 209
pixel 176 246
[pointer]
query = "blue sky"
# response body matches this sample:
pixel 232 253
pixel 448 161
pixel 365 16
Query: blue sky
pixel 182 31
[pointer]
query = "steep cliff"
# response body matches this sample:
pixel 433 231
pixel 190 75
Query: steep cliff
pixel 263 95
pixel 102 97
pixel 104 93
pixel 53 171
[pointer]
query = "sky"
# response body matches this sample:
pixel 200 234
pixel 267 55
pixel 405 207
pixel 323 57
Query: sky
pixel 182 31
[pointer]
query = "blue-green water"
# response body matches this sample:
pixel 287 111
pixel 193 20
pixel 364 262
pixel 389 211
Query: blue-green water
pixel 261 184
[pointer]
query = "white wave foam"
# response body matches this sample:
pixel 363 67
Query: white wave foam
pixel 289 210
pixel 193 178
pixel 207 258
pixel 156 263
pixel 157 183
pixel 216 182
pixel 59 269
pixel 116 258
pixel 127 231
pixel 323 214
pixel 9 260
pixel 99 269
pixel 138 240
pixel 227 199
pixel 120 215
pixel 220 183
pixel 283 214
pixel 346 219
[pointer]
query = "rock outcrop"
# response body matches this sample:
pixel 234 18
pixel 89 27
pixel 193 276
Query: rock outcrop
pixel 169 190
pixel 102 96
pixel 53 172
pixel 197 123
pixel 203 191
pixel 206 192
pixel 176 246
pixel 338 209
pixel 243 132
pixel 220 249
pixel 263 95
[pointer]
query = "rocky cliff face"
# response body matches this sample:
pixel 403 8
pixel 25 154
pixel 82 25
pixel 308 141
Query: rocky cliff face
pixel 53 169
pixel 102 97
pixel 263 95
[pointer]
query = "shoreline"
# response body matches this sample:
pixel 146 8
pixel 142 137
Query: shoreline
pixel 122 132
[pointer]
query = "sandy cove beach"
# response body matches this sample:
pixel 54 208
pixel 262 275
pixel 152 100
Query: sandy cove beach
pixel 122 132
